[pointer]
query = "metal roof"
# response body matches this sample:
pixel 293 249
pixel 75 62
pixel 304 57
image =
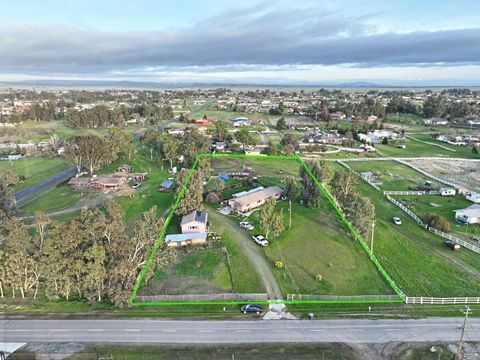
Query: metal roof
pixel 185 237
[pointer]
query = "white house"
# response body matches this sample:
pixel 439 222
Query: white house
pixel 447 191
pixel 469 215
pixel 473 197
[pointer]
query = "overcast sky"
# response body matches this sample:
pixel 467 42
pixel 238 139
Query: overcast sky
pixel 284 42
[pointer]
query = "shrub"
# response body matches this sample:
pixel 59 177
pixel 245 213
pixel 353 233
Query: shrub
pixel 318 277
pixel 438 222
pixel 279 264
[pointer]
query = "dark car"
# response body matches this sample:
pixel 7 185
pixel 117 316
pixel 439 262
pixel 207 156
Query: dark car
pixel 452 245
pixel 251 308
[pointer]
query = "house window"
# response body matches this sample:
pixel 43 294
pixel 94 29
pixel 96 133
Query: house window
pixel 193 227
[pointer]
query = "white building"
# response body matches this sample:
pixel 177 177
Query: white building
pixel 469 215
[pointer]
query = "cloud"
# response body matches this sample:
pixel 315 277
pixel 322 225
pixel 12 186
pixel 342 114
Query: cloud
pixel 242 40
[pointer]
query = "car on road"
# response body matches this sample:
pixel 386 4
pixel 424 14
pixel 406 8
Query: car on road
pixel 260 240
pixel 452 245
pixel 251 308
pixel 397 220
pixel 136 186
pixel 246 225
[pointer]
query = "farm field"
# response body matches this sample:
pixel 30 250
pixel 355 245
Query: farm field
pixel 393 175
pixel 460 151
pixel 32 171
pixel 443 206
pixel 415 149
pixel 416 259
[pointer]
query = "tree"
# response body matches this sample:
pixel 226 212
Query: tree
pixel 170 150
pixel 344 184
pixel 218 184
pixel 120 143
pixel 270 219
pixel 360 211
pixel 194 143
pixel 322 173
pixel 291 187
pixel 272 148
pixel 290 139
pixel 221 130
pixel 8 181
pixel 192 198
pixel 244 137
pixel 282 124
pixel 325 113
pixel 434 106
pixel 281 107
pixel 91 151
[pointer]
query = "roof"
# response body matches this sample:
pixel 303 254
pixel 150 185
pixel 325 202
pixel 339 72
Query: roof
pixel 471 211
pixel 108 181
pixel 78 180
pixel 258 195
pixel 185 237
pixel 197 216
pixel 167 184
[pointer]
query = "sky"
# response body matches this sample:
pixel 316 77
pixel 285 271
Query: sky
pixel 248 42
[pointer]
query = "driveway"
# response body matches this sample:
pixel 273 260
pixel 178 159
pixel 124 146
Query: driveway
pixel 253 252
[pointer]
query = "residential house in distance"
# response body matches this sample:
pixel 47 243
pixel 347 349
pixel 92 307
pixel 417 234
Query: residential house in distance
pixel 166 185
pixel 253 199
pixel 447 191
pixel 240 121
pixel 469 215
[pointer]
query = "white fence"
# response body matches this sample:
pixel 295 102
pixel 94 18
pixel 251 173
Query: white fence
pixel 431 143
pixel 456 239
pixel 201 298
pixel 312 297
pixel 441 301
pixel 410 193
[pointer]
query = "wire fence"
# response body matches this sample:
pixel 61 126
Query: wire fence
pixel 201 298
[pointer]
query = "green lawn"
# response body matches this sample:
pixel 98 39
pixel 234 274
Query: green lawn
pixel 319 243
pixel 58 198
pixel 32 171
pixel 198 270
pixel 416 259
pixel 393 175
pixel 443 206
pixel 460 151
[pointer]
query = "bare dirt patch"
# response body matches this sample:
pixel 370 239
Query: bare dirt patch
pixel 462 172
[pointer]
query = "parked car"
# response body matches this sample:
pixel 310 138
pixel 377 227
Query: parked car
pixel 260 240
pixel 475 238
pixel 246 225
pixel 251 308
pixel 452 245
pixel 397 220
pixel 136 186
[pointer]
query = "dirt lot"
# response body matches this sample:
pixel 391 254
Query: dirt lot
pixel 465 173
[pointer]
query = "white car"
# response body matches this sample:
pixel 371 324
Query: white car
pixel 246 225
pixel 260 240
pixel 397 220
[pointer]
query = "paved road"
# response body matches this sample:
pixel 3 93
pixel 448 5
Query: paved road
pixel 211 332
pixel 253 252
pixel 45 184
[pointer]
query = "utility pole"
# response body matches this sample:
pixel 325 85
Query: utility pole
pixel 459 354
pixel 373 231
pixel 289 214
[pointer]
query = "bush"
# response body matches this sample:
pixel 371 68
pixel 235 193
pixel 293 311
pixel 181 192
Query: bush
pixel 438 222
pixel 318 277
pixel 213 198
pixel 279 264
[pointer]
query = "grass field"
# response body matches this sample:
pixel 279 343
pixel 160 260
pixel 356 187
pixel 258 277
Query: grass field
pixel 319 243
pixel 443 206
pixel 198 270
pixel 416 259
pixel 58 198
pixel 35 170
pixel 393 175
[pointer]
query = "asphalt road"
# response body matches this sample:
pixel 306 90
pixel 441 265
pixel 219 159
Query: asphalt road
pixel 229 332
pixel 45 184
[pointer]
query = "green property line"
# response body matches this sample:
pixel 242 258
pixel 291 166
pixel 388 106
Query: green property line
pixel 324 192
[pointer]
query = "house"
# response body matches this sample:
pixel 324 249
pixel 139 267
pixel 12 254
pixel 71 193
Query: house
pixel 177 240
pixel 166 185
pixel 79 183
pixel 469 215
pixel 138 176
pixel 240 121
pixel 204 122
pixel 473 197
pixel 447 191
pixel 107 183
pixel 13 157
pixel 195 222
pixel 254 199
